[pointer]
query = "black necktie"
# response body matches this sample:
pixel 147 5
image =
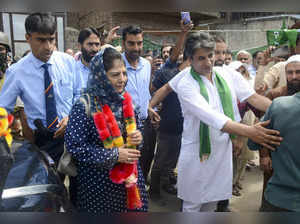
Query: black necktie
pixel 51 113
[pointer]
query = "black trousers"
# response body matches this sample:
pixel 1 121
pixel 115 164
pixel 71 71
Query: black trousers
pixel 147 152
pixel 167 153
pixel 222 205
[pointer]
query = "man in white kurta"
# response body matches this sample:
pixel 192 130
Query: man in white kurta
pixel 202 184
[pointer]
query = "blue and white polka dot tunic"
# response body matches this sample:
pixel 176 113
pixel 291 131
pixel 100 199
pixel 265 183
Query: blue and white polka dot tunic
pixel 96 193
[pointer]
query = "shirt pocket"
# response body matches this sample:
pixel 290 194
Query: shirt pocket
pixel 66 89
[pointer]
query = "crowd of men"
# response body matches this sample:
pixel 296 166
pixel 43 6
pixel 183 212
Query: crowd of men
pixel 199 107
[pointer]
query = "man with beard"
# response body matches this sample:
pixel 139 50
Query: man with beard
pixel 290 89
pixel 283 192
pixel 45 81
pixel 220 56
pixel 139 75
pixel 220 53
pixel 275 76
pixel 165 52
pixel 89 44
pixel 4 49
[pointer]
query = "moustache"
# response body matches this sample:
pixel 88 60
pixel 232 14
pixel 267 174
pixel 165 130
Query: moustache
pixel 93 53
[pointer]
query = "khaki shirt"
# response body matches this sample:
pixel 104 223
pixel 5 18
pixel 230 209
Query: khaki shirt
pixel 274 77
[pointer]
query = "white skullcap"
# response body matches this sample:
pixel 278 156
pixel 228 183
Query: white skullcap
pixel 294 58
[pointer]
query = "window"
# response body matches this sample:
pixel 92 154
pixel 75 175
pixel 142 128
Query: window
pixel 13 26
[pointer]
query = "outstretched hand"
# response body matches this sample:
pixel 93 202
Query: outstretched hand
pixel 268 138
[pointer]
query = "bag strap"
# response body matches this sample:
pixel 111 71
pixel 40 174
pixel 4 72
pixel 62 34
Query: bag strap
pixel 85 99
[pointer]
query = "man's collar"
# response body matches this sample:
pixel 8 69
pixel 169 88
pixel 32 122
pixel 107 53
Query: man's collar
pixel 38 63
pixel 128 65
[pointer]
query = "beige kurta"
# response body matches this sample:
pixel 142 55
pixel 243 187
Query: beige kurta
pixel 211 180
pixel 273 77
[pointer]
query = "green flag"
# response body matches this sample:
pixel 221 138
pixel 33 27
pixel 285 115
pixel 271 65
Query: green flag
pixel 282 36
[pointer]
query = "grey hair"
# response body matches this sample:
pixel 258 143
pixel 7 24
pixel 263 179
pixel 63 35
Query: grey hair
pixel 198 40
pixel 244 52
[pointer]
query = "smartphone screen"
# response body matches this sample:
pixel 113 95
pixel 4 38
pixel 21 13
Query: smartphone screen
pixel 186 17
pixel 155 53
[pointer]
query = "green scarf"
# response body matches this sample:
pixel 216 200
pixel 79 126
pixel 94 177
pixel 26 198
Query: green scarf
pixel 226 100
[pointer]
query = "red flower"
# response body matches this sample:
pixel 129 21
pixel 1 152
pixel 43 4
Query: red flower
pixel 127 106
pixel 121 172
pixel 101 126
pixel 10 119
pixel 104 134
pixel 113 125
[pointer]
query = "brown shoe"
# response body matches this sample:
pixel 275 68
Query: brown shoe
pixel 236 192
pixel 239 186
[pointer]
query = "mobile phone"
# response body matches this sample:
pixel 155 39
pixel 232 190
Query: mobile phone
pixel 155 53
pixel 185 17
pixel 119 32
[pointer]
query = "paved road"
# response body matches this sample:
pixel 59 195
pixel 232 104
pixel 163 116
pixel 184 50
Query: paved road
pixel 249 201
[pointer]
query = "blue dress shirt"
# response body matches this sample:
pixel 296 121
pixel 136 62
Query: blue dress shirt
pixel 83 72
pixel 26 79
pixel 138 84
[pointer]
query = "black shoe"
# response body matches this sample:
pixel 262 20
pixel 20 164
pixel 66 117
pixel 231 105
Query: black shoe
pixel 173 179
pixel 169 188
pixel 223 209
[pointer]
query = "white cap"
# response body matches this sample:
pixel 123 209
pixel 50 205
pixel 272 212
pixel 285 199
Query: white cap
pixel 294 58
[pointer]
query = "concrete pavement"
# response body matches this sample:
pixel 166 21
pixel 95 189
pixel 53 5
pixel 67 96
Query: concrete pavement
pixel 249 201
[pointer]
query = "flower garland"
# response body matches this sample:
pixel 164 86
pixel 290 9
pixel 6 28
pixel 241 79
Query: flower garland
pixel 110 135
pixel 5 121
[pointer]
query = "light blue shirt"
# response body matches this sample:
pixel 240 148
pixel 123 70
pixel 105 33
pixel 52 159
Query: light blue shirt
pixel 26 79
pixel 138 84
pixel 83 72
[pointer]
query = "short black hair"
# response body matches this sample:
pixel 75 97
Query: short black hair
pixel 229 52
pixel 166 45
pixel 254 55
pixel 40 23
pixel 86 33
pixel 109 56
pixel 132 29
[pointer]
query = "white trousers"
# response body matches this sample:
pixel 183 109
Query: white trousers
pixel 188 206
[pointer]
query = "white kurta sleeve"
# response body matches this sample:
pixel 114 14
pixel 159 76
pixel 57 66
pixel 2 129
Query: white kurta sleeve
pixel 176 79
pixel 193 102
pixel 242 88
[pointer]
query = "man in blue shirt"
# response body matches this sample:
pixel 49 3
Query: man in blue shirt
pixel 139 75
pixel 89 43
pixel 46 82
